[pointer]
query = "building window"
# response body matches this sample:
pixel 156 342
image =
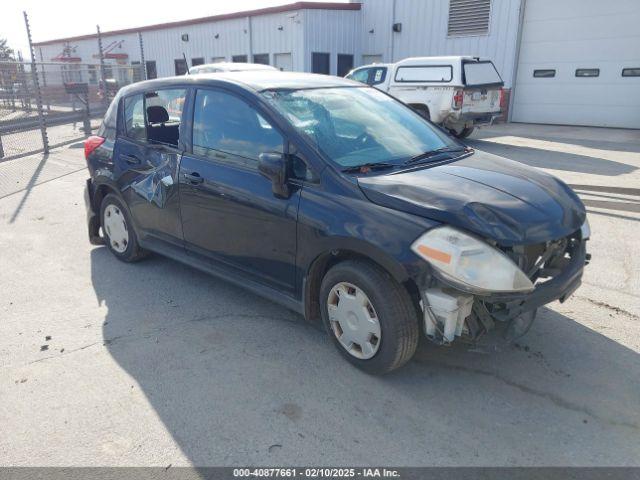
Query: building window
pixel 239 59
pixel 136 71
pixel 261 58
pixel 197 61
pixel 180 66
pixel 469 17
pixel 587 72
pixel 547 73
pixel 345 64
pixel 320 63
pixel 93 75
pixel 631 72
pixel 152 72
pixel 218 59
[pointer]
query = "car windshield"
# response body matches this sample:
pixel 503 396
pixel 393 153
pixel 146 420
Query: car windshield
pixel 356 126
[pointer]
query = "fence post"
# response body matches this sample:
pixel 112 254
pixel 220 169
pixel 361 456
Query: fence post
pixel 143 64
pixel 36 84
pixel 103 78
pixel 1 148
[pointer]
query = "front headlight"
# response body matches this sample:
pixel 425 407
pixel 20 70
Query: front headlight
pixel 469 262
pixel 585 230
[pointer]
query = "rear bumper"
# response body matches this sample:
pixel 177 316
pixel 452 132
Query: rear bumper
pixel 479 119
pixel 93 221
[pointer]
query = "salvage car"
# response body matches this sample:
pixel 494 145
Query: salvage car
pixel 460 93
pixel 337 201
pixel 228 67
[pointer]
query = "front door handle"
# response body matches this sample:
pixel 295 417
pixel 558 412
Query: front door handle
pixel 131 159
pixel 193 178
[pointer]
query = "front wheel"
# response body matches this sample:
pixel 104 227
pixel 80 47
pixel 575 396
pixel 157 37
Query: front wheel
pixel 464 133
pixel 369 316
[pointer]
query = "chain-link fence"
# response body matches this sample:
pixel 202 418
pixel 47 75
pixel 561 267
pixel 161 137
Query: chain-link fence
pixel 73 96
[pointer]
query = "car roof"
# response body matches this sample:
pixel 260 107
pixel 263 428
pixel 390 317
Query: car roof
pixel 255 80
pixel 232 67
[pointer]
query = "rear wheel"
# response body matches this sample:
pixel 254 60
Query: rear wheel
pixel 422 110
pixel 369 316
pixel 464 133
pixel 117 228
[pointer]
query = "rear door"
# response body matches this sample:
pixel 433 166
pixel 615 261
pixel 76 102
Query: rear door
pixel 482 85
pixel 146 158
pixel 230 215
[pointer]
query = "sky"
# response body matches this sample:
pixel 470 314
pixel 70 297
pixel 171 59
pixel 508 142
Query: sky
pixel 52 19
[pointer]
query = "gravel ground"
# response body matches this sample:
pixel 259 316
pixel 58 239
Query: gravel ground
pixel 103 363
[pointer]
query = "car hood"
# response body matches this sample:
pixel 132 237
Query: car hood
pixel 486 194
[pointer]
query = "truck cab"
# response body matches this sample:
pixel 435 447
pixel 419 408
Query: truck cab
pixel 458 92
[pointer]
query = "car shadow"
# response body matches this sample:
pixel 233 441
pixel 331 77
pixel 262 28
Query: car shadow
pixel 239 380
pixel 555 160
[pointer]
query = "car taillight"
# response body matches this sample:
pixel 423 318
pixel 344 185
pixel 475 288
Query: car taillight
pixel 90 144
pixel 458 99
pixel 503 98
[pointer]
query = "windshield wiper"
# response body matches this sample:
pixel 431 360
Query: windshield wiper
pixel 437 151
pixel 365 167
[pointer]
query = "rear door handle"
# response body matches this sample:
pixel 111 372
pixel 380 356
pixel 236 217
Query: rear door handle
pixel 194 177
pixel 131 159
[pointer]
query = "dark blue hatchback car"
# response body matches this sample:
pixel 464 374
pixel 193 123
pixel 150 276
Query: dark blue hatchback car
pixel 337 201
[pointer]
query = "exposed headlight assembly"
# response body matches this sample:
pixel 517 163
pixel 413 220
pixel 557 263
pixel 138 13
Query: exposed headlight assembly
pixel 585 230
pixel 470 263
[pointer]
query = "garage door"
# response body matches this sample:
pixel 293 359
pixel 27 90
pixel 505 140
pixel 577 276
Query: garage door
pixel 579 63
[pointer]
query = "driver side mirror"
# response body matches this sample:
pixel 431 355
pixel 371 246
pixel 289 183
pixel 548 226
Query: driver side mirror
pixel 273 166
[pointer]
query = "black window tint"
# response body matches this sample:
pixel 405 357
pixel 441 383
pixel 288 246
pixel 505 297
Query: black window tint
pixel 152 72
pixel 261 58
pixel 134 121
pixel 239 59
pixel 320 63
pixel 587 72
pixel 224 124
pixel 547 73
pixel 631 72
pixel 345 64
pixel 180 65
pixel 378 75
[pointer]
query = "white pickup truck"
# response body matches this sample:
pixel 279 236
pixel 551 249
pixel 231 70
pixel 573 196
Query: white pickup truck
pixel 457 92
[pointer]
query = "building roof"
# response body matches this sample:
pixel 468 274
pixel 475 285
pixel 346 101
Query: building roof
pixel 257 81
pixel 214 18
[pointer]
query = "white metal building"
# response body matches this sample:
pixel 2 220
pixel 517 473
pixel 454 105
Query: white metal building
pixel 565 62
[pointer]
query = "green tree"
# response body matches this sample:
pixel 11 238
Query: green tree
pixel 6 53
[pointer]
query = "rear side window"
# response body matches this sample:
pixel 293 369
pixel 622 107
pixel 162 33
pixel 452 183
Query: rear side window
pixel 164 112
pixel 431 73
pixel 108 128
pixel 134 121
pixel 480 73
pixel 544 73
pixel 226 128
pixel 378 75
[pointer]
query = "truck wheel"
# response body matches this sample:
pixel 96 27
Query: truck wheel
pixel 369 316
pixel 464 133
pixel 422 110
pixel 117 228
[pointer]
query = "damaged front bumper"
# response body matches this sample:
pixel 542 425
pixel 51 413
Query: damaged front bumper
pixel 450 313
pixel 93 220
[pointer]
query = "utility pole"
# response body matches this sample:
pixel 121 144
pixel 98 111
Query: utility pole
pixel 103 78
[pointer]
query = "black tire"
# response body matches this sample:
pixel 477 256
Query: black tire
pixel 464 133
pixel 396 314
pixel 133 252
pixel 422 110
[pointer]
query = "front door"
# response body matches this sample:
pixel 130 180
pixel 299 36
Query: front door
pixel 229 212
